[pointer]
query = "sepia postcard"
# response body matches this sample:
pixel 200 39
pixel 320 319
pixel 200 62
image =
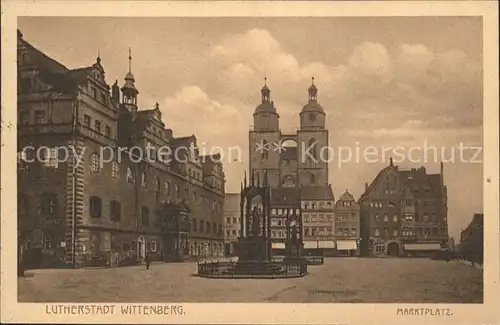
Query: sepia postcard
pixel 247 162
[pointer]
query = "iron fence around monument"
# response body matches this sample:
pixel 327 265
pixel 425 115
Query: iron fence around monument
pixel 222 270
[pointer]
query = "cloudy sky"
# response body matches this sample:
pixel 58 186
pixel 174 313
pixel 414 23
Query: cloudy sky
pixel 383 82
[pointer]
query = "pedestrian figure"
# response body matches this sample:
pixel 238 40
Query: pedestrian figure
pixel 146 259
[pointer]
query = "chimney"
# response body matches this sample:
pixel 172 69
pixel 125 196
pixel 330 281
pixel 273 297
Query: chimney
pixel 115 92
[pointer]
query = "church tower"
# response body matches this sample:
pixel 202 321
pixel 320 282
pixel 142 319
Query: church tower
pixel 129 91
pixel 313 142
pixel 263 139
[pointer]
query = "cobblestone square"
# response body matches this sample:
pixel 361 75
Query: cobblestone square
pixel 339 280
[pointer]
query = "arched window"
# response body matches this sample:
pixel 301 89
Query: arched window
pixel 157 185
pixel 377 232
pixel 95 206
pixel 177 191
pixel 115 210
pixel 311 145
pixel 386 218
pixel 145 216
pixel 115 170
pixel 167 188
pixel 265 149
pixel 130 175
pixel 94 163
pixel 395 218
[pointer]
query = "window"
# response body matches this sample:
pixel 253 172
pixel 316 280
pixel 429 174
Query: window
pixel 377 232
pixel 49 203
pixel 228 232
pixel 386 218
pixel 395 218
pixel 107 131
pixel 86 120
pixel 157 185
pixel 130 175
pixel 94 92
pixel 95 206
pixel 177 191
pixel 115 170
pixel 395 233
pixel 153 246
pixel 312 146
pixel 234 232
pixel 228 220
pixel 39 117
pixel 265 149
pixel 115 211
pixel 50 158
pixel 24 118
pixel 220 229
pixel 234 220
pixel 97 126
pixel 145 216
pixel 167 188
pixel 208 228
pixel 377 218
pixel 426 218
pixel 386 232
pixel 23 205
pixel 144 180
pixel 48 241
pixel 312 180
pixel 195 225
pixel 94 163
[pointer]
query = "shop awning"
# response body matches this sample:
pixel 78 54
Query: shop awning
pixel 327 244
pixel 347 245
pixel 278 245
pixel 423 247
pixel 310 244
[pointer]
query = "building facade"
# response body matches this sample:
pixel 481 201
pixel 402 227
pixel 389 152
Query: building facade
pixel 318 204
pixel 404 213
pixel 347 227
pixel 285 207
pixel 232 226
pixel 98 199
pixel 471 246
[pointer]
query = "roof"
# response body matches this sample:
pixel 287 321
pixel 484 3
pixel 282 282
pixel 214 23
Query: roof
pixel 312 106
pixel 422 184
pixel 346 196
pixel 66 81
pixel 41 60
pixel 285 196
pixel 317 193
pixel 267 107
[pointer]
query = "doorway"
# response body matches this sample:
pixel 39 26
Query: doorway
pixel 141 248
pixel 393 249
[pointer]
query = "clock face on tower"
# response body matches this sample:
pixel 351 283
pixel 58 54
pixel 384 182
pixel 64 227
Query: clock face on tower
pixel 312 116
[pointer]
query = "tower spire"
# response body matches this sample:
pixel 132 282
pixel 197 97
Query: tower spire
pixel 313 91
pixel 129 60
pixel 98 59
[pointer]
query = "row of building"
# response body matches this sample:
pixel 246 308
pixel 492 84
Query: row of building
pixel 74 210
pixel 401 213
pixel 80 209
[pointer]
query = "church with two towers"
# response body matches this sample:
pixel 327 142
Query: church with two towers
pixel 296 168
